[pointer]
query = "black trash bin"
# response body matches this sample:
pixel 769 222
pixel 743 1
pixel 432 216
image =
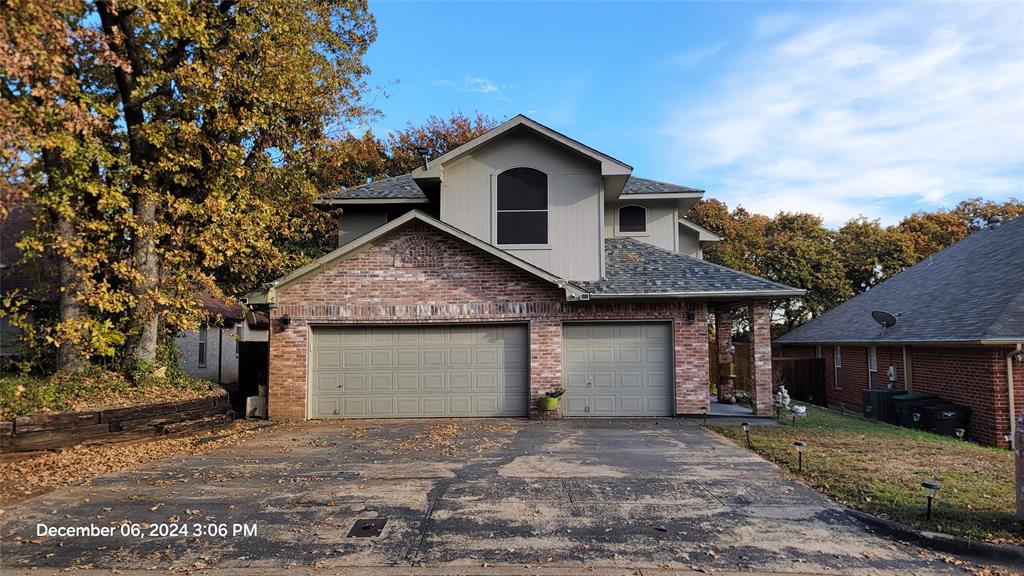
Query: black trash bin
pixel 946 418
pixel 904 405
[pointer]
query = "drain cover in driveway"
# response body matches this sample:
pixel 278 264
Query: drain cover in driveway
pixel 367 528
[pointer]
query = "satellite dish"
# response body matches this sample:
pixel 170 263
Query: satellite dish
pixel 884 318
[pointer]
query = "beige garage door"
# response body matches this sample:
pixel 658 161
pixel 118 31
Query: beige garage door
pixel 617 369
pixel 412 372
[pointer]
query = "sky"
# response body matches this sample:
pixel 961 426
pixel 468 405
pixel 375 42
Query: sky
pixel 838 109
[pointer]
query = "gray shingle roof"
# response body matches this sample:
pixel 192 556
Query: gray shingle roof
pixel 636 268
pixel 971 291
pixel 644 186
pixel 397 188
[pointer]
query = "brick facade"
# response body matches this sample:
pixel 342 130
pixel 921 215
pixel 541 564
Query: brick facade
pixel 971 376
pixel 454 282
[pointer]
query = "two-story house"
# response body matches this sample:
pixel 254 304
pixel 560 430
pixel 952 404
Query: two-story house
pixel 519 262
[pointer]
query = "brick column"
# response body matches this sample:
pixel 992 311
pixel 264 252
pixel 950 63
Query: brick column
pixel 723 338
pixel 545 358
pixel 286 399
pixel 761 357
pixel 691 359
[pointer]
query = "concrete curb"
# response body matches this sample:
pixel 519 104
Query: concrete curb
pixel 1003 554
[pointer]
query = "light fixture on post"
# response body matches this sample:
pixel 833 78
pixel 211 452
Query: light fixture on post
pixel 746 432
pixel 800 447
pixel 704 412
pixel 798 411
pixel 916 416
pixel 931 488
pixel 959 434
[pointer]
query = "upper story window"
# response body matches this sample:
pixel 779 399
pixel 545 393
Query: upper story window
pixel 522 206
pixel 632 219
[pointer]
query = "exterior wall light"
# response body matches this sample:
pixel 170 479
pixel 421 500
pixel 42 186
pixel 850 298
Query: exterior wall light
pixel 931 488
pixel 800 447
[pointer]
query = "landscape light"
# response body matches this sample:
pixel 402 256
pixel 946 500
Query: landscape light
pixel 931 488
pixel 704 411
pixel 959 433
pixel 800 447
pixel 746 431
pixel 917 419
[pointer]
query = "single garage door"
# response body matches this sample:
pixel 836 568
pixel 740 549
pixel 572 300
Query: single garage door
pixel 617 369
pixel 412 372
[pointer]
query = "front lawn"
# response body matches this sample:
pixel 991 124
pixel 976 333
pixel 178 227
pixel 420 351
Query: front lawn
pixel 878 468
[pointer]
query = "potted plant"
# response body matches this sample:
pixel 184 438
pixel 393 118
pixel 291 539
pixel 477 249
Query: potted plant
pixel 549 400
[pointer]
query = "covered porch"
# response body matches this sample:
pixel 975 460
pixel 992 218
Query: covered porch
pixel 728 401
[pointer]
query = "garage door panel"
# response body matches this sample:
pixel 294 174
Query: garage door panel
pixel 630 355
pixel 354 383
pixel 433 381
pixel 628 365
pixel 352 359
pixel 632 404
pixel 419 371
pixel 382 382
pixel 433 405
pixel 407 357
pixel 602 356
pixel 602 404
pixel 410 406
pixel 602 380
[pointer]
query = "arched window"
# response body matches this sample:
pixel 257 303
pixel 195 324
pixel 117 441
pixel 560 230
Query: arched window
pixel 632 219
pixel 522 206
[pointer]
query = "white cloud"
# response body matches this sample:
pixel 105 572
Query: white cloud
pixel 691 57
pixel 471 84
pixel 855 115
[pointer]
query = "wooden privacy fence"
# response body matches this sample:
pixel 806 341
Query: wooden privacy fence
pixel 804 378
pixel 50 431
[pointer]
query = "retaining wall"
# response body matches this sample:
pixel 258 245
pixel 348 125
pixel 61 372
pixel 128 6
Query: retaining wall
pixel 50 431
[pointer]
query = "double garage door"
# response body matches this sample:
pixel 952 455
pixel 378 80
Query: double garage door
pixel 609 369
pixel 416 372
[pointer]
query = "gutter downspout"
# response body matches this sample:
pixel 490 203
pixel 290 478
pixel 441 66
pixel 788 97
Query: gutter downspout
pixel 1009 388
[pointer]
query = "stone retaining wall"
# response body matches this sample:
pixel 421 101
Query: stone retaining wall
pixel 50 431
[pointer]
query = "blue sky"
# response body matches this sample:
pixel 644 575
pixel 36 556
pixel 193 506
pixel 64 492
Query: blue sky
pixel 839 109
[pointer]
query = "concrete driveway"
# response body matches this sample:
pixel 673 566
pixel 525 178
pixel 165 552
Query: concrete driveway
pixel 461 495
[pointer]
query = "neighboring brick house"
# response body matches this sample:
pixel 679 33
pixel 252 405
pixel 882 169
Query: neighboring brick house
pixel 959 333
pixel 520 262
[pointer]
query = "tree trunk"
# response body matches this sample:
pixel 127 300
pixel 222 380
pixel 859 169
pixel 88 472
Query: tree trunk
pixel 146 262
pixel 71 354
pixel 116 23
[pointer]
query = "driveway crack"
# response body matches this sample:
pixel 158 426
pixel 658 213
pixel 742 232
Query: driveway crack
pixel 710 493
pixel 442 487
pixel 568 494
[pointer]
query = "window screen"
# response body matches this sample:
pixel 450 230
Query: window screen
pixel 632 219
pixel 522 206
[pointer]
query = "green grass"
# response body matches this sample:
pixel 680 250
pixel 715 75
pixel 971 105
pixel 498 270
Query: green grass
pixel 878 468
pixel 22 394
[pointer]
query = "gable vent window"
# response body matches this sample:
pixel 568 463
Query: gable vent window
pixel 632 219
pixel 522 206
